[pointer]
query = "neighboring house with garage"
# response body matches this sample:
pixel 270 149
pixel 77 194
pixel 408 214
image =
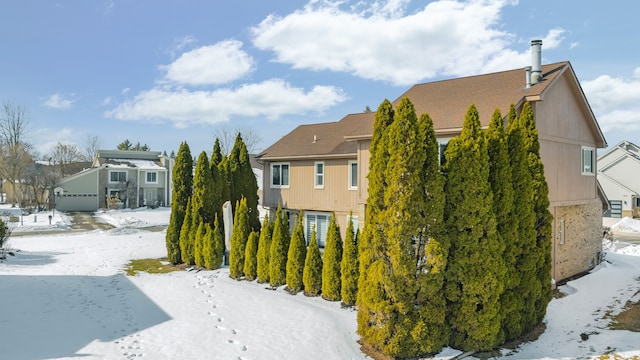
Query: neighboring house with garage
pixel 322 168
pixel 619 175
pixel 117 178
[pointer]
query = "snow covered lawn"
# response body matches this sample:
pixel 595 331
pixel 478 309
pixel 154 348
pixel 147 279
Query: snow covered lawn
pixel 65 296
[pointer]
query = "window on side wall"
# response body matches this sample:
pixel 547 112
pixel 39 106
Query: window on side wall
pixel 280 175
pixel 152 177
pixel 117 176
pixel 319 222
pixel 353 175
pixel 319 174
pixel 588 160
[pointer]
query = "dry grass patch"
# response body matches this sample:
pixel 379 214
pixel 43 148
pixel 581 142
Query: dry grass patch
pixel 151 266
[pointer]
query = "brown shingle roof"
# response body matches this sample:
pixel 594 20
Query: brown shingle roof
pixel 445 101
pixel 325 139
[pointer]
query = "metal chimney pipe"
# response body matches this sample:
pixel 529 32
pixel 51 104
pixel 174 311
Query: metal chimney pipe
pixel 536 61
pixel 527 75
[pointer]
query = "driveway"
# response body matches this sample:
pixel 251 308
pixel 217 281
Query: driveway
pixel 85 221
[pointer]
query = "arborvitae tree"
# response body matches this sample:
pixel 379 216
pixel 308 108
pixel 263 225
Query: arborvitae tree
pixel 182 188
pixel 500 178
pixel 203 195
pixel 519 284
pixel 278 250
pixel 295 257
pixel 243 180
pixel 312 274
pixel 475 269
pixel 264 246
pixel 542 249
pixel 331 279
pixel 238 243
pixel 372 301
pixel 432 332
pixel 212 252
pixel 251 257
pixel 218 244
pixel 198 246
pixel 186 236
pixel 349 267
pixel 216 154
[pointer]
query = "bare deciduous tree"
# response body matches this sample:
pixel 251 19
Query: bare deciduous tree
pixel 63 155
pixel 15 156
pixel 227 138
pixel 91 146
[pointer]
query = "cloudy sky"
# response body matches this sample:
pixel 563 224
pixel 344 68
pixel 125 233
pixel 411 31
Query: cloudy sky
pixel 161 72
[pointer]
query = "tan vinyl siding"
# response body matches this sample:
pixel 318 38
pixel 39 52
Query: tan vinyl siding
pixel 563 130
pixel 302 193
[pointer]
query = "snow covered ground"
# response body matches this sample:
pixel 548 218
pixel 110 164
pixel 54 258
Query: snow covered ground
pixel 65 296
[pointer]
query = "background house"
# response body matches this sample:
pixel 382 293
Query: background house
pixel 322 168
pixel 618 173
pixel 130 178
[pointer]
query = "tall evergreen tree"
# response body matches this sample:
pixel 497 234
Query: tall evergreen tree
pixel 238 243
pixel 186 236
pixel 373 303
pixel 198 245
pixel 182 188
pixel 216 154
pixel 500 178
pixel 475 269
pixel 519 285
pixel 251 257
pixel 218 244
pixel 331 278
pixel 295 257
pixel 264 247
pixel 243 180
pixel 278 250
pixel 432 331
pixel 312 274
pixel 349 267
pixel 203 195
pixel 212 252
pixel 542 249
pixel 218 180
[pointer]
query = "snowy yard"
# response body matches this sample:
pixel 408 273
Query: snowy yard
pixel 65 296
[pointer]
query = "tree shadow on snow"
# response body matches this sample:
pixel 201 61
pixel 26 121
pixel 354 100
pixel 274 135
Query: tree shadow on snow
pixel 44 317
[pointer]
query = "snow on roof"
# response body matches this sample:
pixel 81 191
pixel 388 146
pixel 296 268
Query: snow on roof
pixel 140 164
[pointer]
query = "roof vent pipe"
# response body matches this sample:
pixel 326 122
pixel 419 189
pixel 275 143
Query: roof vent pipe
pixel 536 61
pixel 315 138
pixel 527 74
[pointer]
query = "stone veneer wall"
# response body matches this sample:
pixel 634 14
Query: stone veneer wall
pixel 581 248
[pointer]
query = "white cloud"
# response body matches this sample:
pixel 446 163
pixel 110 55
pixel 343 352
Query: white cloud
pixel 60 101
pixel 107 100
pixel 269 99
pixel 615 101
pixel 446 37
pixel 47 138
pixel 209 65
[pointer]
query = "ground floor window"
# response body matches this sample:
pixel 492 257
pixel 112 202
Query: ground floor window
pixel 319 221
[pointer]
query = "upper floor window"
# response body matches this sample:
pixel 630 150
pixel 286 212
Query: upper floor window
pixel 588 160
pixel 117 176
pixel 280 175
pixel 152 177
pixel 319 174
pixel 353 175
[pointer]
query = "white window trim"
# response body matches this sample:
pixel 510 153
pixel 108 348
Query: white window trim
pixel 593 160
pixel 278 186
pixel 321 242
pixel 146 178
pixel 317 175
pixel 350 185
pixel 126 176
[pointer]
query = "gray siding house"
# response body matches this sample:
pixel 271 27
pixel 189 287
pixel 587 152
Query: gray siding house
pixel 117 178
pixel 618 173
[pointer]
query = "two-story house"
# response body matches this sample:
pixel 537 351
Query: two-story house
pixel 618 173
pixel 130 178
pixel 322 168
